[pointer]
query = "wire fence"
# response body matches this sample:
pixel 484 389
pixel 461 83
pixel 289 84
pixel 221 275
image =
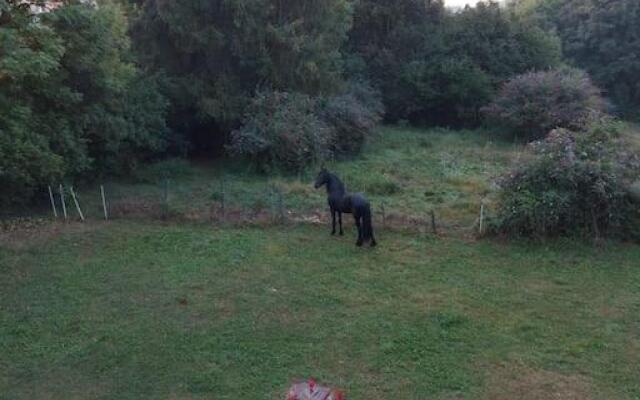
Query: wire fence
pixel 221 203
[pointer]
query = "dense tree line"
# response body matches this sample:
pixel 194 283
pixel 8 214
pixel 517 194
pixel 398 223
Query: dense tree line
pixel 72 101
pixel 217 54
pixel 600 36
pixel 438 67
pixel 96 87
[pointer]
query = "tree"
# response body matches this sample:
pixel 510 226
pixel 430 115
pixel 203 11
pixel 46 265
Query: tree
pixel 218 53
pixel 603 36
pixel 68 92
pixel 31 57
pixel 121 115
pixel 502 44
pixel 438 67
pixel 392 37
pixel 600 36
pixel 532 104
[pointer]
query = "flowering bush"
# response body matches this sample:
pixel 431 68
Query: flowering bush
pixel 351 117
pixel 282 131
pixel 570 183
pixel 532 104
pixel 289 131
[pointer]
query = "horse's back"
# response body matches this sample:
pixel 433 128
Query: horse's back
pixel 358 202
pixel 359 199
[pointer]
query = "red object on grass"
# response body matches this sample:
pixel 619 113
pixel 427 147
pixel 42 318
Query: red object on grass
pixel 310 390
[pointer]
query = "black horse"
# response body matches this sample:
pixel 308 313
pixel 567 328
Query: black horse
pixel 342 202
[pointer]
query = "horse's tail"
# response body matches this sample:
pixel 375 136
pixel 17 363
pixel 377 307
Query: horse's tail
pixel 367 226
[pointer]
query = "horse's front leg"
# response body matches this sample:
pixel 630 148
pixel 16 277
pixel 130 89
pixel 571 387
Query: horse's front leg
pixel 340 221
pixel 333 221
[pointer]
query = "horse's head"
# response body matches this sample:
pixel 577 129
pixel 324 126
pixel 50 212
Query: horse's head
pixel 322 179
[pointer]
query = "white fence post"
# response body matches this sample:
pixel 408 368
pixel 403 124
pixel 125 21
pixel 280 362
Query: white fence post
pixel 53 203
pixel 75 200
pixel 64 204
pixel 104 203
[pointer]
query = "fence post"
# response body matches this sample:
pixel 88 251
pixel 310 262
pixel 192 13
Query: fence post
pixel 64 204
pixel 481 217
pixel 596 229
pixel 104 203
pixel 433 223
pixel 166 198
pixel 223 199
pixel 53 203
pixel 281 213
pixel 166 191
pixel 278 204
pixel 75 200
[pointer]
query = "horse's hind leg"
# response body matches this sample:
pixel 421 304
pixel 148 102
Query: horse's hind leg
pixel 340 221
pixel 333 221
pixel 359 226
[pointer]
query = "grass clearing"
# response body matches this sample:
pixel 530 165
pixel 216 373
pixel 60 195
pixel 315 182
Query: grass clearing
pixel 134 310
pixel 141 309
pixel 407 171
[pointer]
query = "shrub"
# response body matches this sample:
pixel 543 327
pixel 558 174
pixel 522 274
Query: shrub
pixel 532 104
pixel 171 168
pixel 445 90
pixel 281 131
pixel 26 163
pixel 570 183
pixel 351 118
pixel 383 186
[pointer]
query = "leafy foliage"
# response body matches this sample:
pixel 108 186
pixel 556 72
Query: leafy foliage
pixel 217 53
pixel 570 183
pixel 434 66
pixel 351 117
pixel 288 131
pixel 121 113
pixel 501 43
pixel 600 36
pixel 532 104
pixel 443 90
pixel 604 38
pixel 282 131
pixel 72 101
pixel 31 55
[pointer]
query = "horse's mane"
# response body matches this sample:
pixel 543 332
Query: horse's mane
pixel 335 184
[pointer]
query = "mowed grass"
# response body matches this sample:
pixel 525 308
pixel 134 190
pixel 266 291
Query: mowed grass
pixel 133 310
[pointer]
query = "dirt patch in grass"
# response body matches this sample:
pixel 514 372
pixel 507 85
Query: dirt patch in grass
pixel 22 234
pixel 538 286
pixel 514 381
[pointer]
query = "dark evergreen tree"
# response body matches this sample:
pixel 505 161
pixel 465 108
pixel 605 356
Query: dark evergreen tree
pixel 600 36
pixel 217 53
pixel 438 67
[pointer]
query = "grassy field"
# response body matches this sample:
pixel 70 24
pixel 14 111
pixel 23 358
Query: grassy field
pixel 140 310
pixel 407 172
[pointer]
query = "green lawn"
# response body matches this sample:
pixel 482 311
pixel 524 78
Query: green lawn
pixel 136 308
pixel 142 310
